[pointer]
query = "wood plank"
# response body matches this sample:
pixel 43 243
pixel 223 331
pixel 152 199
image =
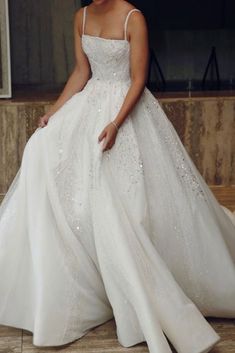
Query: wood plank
pixel 12 142
pixel 101 339
pixel 10 340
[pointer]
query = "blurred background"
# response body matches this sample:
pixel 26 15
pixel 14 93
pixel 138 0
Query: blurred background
pixel 182 35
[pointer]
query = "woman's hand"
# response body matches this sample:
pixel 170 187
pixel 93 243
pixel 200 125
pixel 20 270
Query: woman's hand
pixel 109 133
pixel 43 120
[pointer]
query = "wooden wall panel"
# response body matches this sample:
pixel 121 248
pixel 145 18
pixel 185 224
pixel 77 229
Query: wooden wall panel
pixel 12 142
pixel 206 127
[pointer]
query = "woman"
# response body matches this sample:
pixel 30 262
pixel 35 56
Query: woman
pixel 108 216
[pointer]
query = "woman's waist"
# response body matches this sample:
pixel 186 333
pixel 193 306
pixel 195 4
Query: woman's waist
pixel 110 78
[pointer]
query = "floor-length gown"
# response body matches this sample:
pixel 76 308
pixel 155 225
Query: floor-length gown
pixel 132 233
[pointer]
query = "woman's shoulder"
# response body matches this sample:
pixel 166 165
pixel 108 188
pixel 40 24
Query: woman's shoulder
pixel 127 6
pixel 136 16
pixel 124 6
pixel 79 13
pixel 137 19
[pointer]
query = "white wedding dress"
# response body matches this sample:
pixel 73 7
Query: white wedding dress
pixel 132 233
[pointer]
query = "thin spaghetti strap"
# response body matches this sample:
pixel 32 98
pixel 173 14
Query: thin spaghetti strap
pixel 84 19
pixel 126 21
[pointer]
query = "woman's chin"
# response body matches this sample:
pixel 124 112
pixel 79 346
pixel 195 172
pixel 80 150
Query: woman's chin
pixel 100 2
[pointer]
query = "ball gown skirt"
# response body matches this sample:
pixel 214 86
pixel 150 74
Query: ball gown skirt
pixel 132 233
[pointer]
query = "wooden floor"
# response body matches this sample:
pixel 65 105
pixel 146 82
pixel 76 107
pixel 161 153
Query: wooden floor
pixel 103 339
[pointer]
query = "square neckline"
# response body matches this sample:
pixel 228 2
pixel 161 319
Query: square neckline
pixel 125 40
pixel 102 38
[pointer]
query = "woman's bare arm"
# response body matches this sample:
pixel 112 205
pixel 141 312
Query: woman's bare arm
pixel 80 73
pixel 139 56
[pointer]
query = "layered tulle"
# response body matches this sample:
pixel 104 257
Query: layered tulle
pixel 132 233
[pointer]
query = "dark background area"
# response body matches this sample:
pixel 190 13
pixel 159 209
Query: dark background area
pixel 193 43
pixel 182 34
pixel 187 14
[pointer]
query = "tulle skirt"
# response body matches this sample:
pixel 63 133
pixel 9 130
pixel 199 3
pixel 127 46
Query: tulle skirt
pixel 132 233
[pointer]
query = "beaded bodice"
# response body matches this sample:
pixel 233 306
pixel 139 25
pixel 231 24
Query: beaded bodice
pixel 108 58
